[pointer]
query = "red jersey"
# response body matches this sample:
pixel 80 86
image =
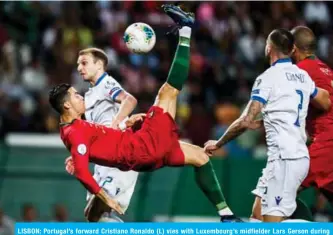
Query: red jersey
pixel 319 124
pixel 89 142
pixel 153 146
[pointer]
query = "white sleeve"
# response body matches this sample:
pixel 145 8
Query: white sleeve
pixel 112 89
pixel 313 89
pixel 261 89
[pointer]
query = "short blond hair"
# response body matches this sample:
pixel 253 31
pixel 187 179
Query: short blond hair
pixel 97 53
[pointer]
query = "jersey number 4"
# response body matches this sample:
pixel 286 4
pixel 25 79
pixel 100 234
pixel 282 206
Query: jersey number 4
pixel 300 106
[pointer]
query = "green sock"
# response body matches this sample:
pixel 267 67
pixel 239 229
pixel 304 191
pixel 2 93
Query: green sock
pixel 180 66
pixel 302 211
pixel 208 183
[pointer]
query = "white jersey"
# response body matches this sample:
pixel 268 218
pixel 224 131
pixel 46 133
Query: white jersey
pixel 99 100
pixel 101 108
pixel 285 90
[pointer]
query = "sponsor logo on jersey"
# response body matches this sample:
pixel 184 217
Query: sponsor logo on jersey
pixel 82 149
pixel 278 199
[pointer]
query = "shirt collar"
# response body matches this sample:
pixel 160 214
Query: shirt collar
pixel 99 80
pixel 311 57
pixel 62 124
pixel 281 61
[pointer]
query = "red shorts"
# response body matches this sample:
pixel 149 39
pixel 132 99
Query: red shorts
pixel 157 142
pixel 321 166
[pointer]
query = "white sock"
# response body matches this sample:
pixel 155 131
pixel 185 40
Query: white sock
pixel 253 220
pixel 295 221
pixel 185 32
pixel 225 211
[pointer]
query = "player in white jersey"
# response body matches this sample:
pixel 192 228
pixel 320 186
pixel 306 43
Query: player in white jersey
pixel 109 104
pixel 282 95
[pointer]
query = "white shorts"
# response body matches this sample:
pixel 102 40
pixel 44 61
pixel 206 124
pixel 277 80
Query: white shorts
pixel 278 185
pixel 118 184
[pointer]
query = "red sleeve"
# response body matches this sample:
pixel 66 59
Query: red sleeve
pixel 321 80
pixel 80 154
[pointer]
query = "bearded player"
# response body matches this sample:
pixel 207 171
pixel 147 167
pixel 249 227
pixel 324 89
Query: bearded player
pixel 107 103
pixel 282 95
pixel 153 146
pixel 319 122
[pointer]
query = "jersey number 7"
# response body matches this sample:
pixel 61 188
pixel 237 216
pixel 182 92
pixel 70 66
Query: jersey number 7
pixel 300 106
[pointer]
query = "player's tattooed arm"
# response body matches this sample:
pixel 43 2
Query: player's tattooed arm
pixel 246 121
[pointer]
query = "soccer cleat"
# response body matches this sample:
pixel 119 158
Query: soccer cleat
pixel 230 219
pixel 180 17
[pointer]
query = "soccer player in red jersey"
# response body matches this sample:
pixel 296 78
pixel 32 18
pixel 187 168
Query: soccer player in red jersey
pixel 153 146
pixel 319 123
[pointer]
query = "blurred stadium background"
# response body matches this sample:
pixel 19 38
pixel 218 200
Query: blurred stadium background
pixel 39 42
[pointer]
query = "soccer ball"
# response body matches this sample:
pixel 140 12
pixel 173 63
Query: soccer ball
pixel 140 38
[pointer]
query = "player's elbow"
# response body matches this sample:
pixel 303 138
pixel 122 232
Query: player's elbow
pixel 325 100
pixel 134 101
pixel 131 99
pixel 244 123
pixel 328 104
pixel 322 100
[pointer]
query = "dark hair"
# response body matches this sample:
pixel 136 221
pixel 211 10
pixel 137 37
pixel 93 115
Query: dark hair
pixel 57 97
pixel 305 40
pixel 97 53
pixel 282 40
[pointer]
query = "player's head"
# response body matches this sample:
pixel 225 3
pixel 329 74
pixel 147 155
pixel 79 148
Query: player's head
pixel 92 62
pixel 305 42
pixel 64 98
pixel 279 43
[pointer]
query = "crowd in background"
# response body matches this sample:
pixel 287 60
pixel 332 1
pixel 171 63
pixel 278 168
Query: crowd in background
pixel 39 44
pixel 29 213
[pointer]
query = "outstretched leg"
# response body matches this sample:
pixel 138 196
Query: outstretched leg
pixel 167 95
pixel 167 100
pixel 206 179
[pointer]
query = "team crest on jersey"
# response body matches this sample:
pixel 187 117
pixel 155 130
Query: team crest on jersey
pixel 109 84
pixel 326 71
pixel 151 114
pixel 82 149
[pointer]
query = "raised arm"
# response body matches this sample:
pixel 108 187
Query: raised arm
pixel 115 93
pixel 127 104
pixel 248 120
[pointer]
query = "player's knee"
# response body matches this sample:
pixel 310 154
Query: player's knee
pixel 167 92
pixel 201 157
pixel 256 210
pixel 256 216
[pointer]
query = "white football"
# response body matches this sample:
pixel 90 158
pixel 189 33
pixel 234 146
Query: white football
pixel 140 38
